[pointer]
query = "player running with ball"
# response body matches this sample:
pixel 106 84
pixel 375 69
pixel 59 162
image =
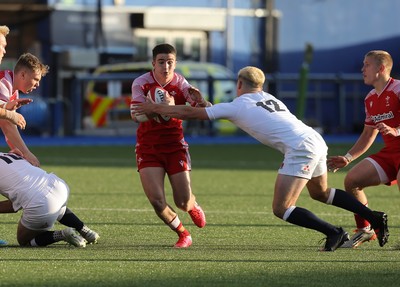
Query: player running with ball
pixel 161 148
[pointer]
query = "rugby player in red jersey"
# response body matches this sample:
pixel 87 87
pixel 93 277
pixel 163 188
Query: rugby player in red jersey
pixel 161 148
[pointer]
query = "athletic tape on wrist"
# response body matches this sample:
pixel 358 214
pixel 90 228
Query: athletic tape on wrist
pixel 349 157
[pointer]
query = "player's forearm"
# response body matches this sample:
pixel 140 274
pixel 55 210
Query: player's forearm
pixel 363 143
pixel 3 113
pixel 14 139
pixel 8 115
pixel 181 112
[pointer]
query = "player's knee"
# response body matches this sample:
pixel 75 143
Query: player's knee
pixel 350 183
pixel 23 241
pixel 278 210
pixel 158 205
pixel 182 205
pixel 320 196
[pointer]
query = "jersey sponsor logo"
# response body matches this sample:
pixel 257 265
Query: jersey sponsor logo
pixel 382 117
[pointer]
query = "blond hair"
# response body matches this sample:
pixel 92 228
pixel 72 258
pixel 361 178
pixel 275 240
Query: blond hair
pixel 381 58
pixel 4 30
pixel 32 63
pixel 252 76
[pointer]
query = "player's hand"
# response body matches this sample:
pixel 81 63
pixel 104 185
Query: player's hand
pixel 384 129
pixel 196 96
pixel 143 108
pixel 169 100
pixel 16 151
pixel 16 104
pixel 21 123
pixel 14 118
pixel 32 159
pixel 334 163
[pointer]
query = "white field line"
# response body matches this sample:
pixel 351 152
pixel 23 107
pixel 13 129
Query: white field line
pixel 338 214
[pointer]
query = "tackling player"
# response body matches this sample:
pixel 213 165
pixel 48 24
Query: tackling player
pixel 268 120
pixel 43 198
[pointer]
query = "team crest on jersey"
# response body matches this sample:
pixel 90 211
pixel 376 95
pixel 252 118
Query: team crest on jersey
pixel 370 104
pixel 387 101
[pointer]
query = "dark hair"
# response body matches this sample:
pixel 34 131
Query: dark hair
pixel 163 49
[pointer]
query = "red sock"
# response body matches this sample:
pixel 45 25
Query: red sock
pixel 182 231
pixel 361 222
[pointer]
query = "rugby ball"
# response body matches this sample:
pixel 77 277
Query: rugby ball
pixel 158 95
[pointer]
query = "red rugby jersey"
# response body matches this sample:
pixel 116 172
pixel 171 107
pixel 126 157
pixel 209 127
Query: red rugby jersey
pixel 157 133
pixel 385 108
pixel 6 87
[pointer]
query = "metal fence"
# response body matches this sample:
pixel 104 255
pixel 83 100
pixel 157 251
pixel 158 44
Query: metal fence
pixel 334 102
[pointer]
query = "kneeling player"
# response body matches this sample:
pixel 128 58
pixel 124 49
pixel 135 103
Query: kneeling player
pixel 43 198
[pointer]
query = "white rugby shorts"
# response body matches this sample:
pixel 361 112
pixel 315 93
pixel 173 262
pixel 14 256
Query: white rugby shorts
pixel 47 207
pixel 308 160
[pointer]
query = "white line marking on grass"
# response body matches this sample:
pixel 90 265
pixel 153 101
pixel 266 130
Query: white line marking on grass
pixel 339 214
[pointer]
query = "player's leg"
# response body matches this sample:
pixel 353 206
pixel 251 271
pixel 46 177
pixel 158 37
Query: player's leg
pixel 35 238
pixel 152 179
pixel 39 217
pixel 185 199
pixel 363 174
pixel 286 193
pixel 25 235
pixel 71 220
pixel 30 232
pixel 318 190
pixel 178 169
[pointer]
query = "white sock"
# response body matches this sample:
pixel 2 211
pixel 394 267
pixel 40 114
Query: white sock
pixel 33 242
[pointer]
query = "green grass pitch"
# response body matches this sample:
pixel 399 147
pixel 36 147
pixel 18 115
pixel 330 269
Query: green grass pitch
pixel 243 244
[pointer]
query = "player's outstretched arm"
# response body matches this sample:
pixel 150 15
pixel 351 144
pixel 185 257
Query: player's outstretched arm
pixel 180 112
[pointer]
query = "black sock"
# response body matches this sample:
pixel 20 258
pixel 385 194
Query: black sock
pixel 47 238
pixel 305 218
pixel 71 220
pixel 347 201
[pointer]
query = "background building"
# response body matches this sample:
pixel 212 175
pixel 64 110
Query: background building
pixel 76 36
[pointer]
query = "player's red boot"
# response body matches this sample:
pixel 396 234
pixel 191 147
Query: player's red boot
pixel 184 241
pixel 197 215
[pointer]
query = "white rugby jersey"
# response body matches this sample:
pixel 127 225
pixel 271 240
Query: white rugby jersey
pixel 265 118
pixel 20 181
